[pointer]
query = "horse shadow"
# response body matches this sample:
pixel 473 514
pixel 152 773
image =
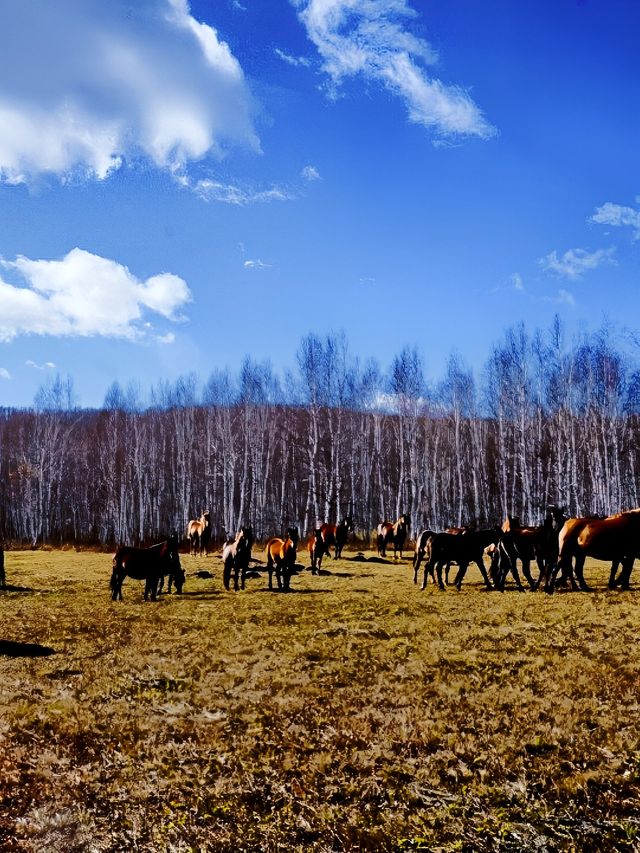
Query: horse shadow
pixel 360 558
pixel 12 649
pixel 11 588
pixel 343 574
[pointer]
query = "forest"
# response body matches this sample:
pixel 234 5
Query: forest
pixel 543 421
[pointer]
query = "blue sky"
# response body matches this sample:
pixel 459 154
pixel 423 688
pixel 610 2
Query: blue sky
pixel 183 184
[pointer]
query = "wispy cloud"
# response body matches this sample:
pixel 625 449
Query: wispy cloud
pixel 296 61
pixel 48 365
pixel 310 174
pixel 83 90
pixel 516 282
pixel 256 265
pixel 85 295
pixel 619 216
pixel 237 5
pixel 211 190
pixel 575 262
pixel 4 373
pixel 563 297
pixel 367 279
pixel 371 38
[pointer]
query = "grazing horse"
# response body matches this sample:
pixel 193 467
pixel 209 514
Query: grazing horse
pixel 149 565
pixel 236 555
pixel 392 533
pixel 446 548
pixel 199 534
pixel 421 546
pixel 281 556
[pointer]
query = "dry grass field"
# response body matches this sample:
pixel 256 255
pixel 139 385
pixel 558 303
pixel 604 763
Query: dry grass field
pixel 355 713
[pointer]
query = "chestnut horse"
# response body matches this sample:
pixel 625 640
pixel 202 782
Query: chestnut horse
pixel 615 538
pixel 281 557
pixel 198 534
pixel 392 533
pixel 236 555
pixel 317 549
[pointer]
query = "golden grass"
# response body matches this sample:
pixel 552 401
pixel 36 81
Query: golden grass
pixel 356 713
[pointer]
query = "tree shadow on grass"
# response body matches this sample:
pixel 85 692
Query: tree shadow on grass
pixel 11 649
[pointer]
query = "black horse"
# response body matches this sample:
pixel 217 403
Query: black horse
pixel 236 555
pixel 150 565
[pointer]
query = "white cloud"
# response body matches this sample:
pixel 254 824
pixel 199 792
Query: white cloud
pixel 516 282
pixel 310 173
pixel 370 38
pixel 563 297
pixel 367 279
pixel 85 295
pixel 296 61
pixel 211 190
pixel 48 365
pixel 575 262
pixel 87 85
pixel 618 215
pixel 256 265
pixel 4 373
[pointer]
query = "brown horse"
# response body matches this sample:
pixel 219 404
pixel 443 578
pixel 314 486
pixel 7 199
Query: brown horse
pixel 421 547
pixel 571 556
pixel 325 537
pixel 281 557
pixel 615 538
pixel 150 565
pixel 236 555
pixel 198 534
pixel 525 544
pixel 444 548
pixel 392 533
pixel 317 549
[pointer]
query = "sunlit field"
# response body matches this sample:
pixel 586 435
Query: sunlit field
pixel 355 713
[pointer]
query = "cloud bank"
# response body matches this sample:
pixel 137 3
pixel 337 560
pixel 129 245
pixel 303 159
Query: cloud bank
pixel 370 38
pixel 85 295
pixel 87 85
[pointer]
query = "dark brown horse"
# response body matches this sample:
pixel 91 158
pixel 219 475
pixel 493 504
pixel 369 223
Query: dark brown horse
pixel 236 555
pixel 199 534
pixel 317 549
pixel 444 548
pixel 281 558
pixel 149 565
pixel 392 533
pixel 421 547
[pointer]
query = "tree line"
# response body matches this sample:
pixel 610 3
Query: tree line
pixel 544 421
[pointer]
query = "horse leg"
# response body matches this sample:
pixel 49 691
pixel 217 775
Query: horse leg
pixel 579 571
pixel 462 570
pixel 417 559
pixel 116 585
pixel 236 575
pixel 625 574
pixel 526 571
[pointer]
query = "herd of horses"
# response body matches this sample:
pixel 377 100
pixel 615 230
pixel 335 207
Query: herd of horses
pixel 559 547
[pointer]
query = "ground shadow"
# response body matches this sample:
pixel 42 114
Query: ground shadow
pixel 196 593
pixel 11 649
pixel 360 558
pixel 344 574
pixel 11 588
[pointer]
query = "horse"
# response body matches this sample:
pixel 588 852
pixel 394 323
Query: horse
pixel 281 557
pixel 199 534
pixel 236 555
pixel 317 548
pixel 392 533
pixel 446 548
pixel 525 544
pixel 615 538
pixel 571 556
pixel 149 565
pixel 421 546
pixel 326 536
